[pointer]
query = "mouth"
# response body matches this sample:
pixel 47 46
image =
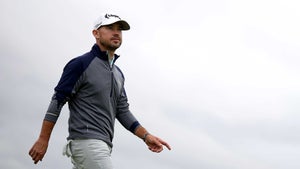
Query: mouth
pixel 115 39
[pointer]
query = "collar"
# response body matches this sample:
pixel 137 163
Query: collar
pixel 102 54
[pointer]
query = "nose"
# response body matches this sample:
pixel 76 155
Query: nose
pixel 116 33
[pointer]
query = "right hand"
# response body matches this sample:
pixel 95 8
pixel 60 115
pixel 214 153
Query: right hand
pixel 38 150
pixel 156 144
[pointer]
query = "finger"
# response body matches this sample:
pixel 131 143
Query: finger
pixel 157 142
pixel 165 144
pixel 31 151
pixel 35 158
pixel 33 155
pixel 159 149
pixel 38 158
pixel 156 149
pixel 35 162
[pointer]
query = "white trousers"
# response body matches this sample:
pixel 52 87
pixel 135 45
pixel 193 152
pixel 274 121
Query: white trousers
pixel 89 154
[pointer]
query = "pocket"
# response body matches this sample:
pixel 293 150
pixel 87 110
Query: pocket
pixel 67 149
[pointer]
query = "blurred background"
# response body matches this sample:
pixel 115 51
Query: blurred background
pixel 218 80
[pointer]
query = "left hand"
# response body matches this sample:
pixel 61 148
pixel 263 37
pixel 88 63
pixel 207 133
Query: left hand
pixel 38 150
pixel 156 144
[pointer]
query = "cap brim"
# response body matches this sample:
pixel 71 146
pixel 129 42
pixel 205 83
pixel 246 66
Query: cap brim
pixel 124 24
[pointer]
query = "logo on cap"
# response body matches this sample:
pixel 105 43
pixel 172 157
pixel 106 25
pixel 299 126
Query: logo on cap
pixel 107 16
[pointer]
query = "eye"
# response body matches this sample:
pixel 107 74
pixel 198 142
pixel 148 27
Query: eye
pixel 110 27
pixel 120 27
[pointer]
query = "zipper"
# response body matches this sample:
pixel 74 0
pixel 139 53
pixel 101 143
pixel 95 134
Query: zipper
pixel 111 79
pixel 110 65
pixel 112 83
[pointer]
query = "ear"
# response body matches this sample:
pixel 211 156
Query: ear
pixel 96 33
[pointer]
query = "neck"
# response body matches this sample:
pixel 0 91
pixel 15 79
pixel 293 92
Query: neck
pixel 110 53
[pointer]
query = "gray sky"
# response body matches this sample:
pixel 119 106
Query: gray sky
pixel 219 80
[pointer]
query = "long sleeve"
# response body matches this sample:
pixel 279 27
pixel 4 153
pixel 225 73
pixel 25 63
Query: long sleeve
pixel 63 90
pixel 124 115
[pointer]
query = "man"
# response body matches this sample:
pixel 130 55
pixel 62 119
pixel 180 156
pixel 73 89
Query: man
pixel 93 86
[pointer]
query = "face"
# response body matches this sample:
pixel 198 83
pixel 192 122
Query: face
pixel 109 37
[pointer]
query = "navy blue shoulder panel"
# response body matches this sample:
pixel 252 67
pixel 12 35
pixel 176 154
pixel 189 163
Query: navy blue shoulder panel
pixel 71 73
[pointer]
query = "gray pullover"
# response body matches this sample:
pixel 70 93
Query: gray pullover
pixel 96 96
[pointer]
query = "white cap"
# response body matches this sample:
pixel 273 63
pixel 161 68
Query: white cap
pixel 107 19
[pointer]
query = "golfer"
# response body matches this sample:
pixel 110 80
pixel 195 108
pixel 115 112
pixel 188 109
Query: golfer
pixel 93 86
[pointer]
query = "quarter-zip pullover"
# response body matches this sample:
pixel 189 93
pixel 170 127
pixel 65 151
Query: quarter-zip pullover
pixel 95 93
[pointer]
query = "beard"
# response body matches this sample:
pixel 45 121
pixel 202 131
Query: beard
pixel 110 44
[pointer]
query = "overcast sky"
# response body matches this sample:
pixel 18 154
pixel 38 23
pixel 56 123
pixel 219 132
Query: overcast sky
pixel 219 80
